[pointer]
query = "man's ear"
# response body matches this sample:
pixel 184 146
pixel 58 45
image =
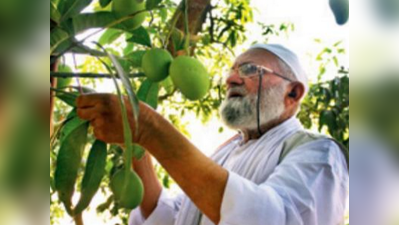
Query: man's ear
pixel 296 91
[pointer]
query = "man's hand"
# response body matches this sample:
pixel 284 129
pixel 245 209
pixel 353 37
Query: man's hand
pixel 104 113
pixel 199 177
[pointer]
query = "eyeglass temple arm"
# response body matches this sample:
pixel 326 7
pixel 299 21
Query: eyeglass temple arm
pixel 275 73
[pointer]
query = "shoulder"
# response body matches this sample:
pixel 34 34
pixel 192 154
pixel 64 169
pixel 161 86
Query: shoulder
pixel 318 150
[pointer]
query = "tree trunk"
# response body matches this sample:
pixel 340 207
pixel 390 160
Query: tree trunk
pixel 197 10
pixel 53 83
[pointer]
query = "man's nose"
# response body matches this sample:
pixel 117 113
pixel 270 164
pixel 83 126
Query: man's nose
pixel 234 79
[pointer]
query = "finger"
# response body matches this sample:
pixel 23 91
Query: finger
pixel 102 135
pixel 90 100
pixel 98 133
pixel 88 113
pixel 98 123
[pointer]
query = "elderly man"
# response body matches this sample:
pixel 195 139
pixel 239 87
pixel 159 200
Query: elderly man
pixel 271 173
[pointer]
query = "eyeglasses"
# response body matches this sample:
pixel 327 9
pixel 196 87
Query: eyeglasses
pixel 248 70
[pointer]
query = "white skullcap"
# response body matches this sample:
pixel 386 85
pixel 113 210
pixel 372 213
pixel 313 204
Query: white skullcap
pixel 289 57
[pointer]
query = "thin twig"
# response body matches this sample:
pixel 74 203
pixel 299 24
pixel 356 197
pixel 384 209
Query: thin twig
pixel 186 29
pixel 166 96
pixel 171 27
pixel 90 75
pixel 77 78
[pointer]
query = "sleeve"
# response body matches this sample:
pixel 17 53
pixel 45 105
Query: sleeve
pixel 310 187
pixel 165 212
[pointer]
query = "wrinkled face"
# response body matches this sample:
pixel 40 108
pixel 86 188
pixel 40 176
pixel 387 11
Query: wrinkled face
pixel 239 109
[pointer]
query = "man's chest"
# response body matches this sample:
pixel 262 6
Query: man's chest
pixel 254 160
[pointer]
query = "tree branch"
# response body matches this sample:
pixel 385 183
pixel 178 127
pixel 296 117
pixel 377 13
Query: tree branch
pixel 90 75
pixel 197 10
pixel 78 219
pixel 166 96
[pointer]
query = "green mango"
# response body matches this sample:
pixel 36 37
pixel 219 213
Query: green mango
pixel 190 77
pixel 127 188
pixel 156 63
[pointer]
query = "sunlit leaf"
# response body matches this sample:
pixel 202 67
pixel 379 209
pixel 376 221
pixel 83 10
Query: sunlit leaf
pixel 86 21
pixel 148 93
pixel 68 98
pixel 138 152
pixel 57 36
pixel 140 36
pixel 70 8
pixel 135 58
pixel 72 122
pixel 109 36
pixel 55 15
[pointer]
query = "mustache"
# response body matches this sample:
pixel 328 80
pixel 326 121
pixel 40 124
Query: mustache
pixel 237 90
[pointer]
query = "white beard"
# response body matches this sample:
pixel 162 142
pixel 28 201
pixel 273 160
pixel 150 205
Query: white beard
pixel 240 113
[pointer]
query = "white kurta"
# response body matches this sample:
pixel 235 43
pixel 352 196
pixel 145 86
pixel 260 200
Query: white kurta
pixel 309 187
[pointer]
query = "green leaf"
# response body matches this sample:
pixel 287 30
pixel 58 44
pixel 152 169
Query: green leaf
pixel 134 101
pixel 336 44
pixel 148 93
pixel 168 85
pixel 177 39
pixel 85 90
pixel 71 124
pixel 136 58
pixel 140 36
pixel 55 15
pixel 138 152
pixel 127 132
pixel 94 173
pixel 104 3
pixel 109 36
pixel 71 8
pixel 128 49
pixel 335 59
pixel 327 118
pixel 163 14
pixel 166 181
pixel 151 4
pixel 68 164
pixel 57 36
pixel 68 98
pixel 101 19
pixel 63 47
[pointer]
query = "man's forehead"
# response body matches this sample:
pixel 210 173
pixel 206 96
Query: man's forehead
pixel 258 56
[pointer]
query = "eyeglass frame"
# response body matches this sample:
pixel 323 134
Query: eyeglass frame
pixel 261 70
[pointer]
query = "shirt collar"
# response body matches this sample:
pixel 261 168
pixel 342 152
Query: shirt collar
pixel 285 129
